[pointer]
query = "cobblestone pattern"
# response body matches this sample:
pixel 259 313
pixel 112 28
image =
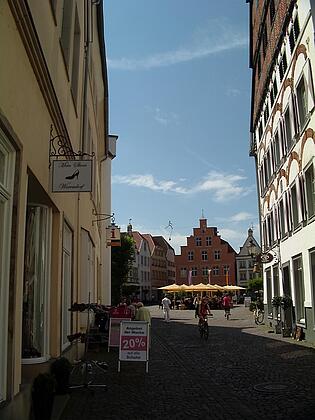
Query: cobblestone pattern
pixel 241 372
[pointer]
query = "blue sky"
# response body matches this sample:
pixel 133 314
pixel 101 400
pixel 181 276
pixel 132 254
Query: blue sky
pixel 179 94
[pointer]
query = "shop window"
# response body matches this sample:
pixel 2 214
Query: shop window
pixel 276 285
pixel 7 160
pixel 35 333
pixel 269 291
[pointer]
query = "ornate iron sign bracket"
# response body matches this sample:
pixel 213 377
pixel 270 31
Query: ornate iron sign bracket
pixel 104 216
pixel 59 148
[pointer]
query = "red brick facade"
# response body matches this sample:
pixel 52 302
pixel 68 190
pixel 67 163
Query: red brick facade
pixel 205 250
pixel 274 29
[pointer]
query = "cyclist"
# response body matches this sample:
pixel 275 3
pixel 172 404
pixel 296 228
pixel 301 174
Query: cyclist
pixel 204 309
pixel 227 304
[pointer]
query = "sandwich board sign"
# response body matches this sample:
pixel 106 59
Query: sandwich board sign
pixel 134 342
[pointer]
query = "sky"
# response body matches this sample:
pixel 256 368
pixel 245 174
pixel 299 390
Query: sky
pixel 179 100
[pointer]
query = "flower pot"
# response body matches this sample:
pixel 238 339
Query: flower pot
pixel 286 332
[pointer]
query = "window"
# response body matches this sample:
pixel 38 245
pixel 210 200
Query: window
pixel 198 241
pixel 208 241
pixel 204 255
pixel 276 285
pixel 283 66
pixel 294 206
pixel 36 283
pixel 7 159
pixel 294 34
pixel 302 101
pixel 66 284
pixel 299 289
pixel 272 11
pixel 266 113
pixel 205 271
pixel 215 270
pixel 190 255
pixel 217 254
pixel 310 191
pixel 75 58
pixel 269 291
pixel 226 269
pixel 288 129
pixel 66 30
pixel 259 64
pixel 183 272
pixel 260 130
pixel 276 149
pixel 264 41
pixel 194 271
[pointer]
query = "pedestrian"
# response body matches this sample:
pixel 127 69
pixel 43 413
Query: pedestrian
pixel 227 303
pixel 142 313
pixel 196 305
pixel 166 308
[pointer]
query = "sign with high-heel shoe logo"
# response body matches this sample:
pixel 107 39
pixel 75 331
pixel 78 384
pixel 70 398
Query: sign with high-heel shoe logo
pixel 72 176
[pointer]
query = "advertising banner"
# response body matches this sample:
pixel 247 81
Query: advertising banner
pixel 134 342
pixel 114 331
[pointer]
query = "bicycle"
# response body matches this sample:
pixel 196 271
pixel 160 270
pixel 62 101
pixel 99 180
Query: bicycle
pixel 227 313
pixel 203 327
pixel 259 315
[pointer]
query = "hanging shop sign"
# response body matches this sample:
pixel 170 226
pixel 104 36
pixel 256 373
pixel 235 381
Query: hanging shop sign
pixel 264 258
pixel 134 342
pixel 72 175
pixel 113 236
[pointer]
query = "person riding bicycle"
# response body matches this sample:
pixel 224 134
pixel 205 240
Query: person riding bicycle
pixel 204 309
pixel 227 304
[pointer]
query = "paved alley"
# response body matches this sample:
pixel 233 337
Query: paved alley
pixel 241 372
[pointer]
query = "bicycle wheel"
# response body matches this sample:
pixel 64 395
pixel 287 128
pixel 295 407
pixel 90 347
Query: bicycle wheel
pixel 206 331
pixel 259 317
pixel 201 330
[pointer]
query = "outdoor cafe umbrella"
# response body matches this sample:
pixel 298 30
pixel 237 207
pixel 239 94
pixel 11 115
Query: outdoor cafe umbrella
pixel 231 287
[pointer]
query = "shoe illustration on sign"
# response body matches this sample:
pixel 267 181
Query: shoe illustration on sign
pixel 74 175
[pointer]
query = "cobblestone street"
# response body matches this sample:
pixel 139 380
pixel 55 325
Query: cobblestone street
pixel 241 372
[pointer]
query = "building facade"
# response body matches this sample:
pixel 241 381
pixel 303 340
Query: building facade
pixel 205 258
pixel 53 104
pixel 143 264
pixel 282 58
pixel 245 260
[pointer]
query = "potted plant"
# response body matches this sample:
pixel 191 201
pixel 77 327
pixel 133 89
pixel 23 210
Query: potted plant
pixel 276 303
pixel 286 304
pixel 43 390
pixel 61 369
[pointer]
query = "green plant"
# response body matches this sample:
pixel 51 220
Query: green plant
pixel 286 302
pixel 276 301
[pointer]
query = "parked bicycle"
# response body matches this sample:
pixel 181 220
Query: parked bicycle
pixel 259 314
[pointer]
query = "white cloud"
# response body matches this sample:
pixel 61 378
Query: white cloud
pixel 206 42
pixel 148 181
pixel 165 118
pixel 242 216
pixel 223 187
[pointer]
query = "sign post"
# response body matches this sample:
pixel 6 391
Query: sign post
pixel 134 342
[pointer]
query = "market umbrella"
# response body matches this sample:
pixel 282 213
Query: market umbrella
pixel 170 287
pixel 231 287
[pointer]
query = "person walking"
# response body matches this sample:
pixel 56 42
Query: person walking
pixel 227 303
pixel 142 313
pixel 166 303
